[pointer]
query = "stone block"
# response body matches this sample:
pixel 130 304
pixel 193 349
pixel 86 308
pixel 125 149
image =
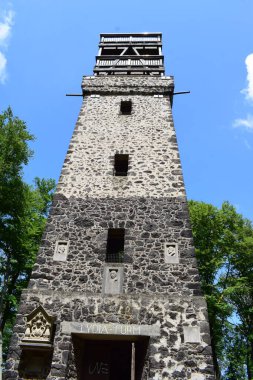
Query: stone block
pixel 191 334
pixel 197 376
pixel 171 253
pixel 113 279
pixel 61 250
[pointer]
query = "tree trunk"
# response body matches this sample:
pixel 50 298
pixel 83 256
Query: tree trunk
pixel 6 304
pixel 4 291
pixel 249 360
pixel 215 359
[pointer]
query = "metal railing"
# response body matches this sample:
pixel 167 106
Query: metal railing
pixel 115 257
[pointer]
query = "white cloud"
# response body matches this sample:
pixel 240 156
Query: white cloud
pixel 3 63
pixel 244 123
pixel 247 144
pixel 249 66
pixel 6 23
pixel 5 27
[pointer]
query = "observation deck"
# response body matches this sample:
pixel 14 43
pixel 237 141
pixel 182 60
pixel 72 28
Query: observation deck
pixel 130 54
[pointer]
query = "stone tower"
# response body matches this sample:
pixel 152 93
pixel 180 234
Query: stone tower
pixel 115 291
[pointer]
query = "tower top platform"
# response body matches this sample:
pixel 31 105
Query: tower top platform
pixel 130 54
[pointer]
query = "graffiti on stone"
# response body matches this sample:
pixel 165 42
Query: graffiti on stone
pixel 99 368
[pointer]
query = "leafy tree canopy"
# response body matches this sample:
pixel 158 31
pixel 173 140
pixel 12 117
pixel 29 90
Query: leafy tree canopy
pixel 23 212
pixel 224 247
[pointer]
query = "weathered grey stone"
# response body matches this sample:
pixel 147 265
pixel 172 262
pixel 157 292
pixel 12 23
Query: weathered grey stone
pixel 191 334
pixel 197 376
pixel 113 279
pixel 61 251
pixel 110 329
pixel 171 253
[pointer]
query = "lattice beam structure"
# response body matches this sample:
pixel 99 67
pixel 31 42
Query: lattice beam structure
pixel 135 54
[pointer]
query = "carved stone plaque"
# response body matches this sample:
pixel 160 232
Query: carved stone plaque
pixel 192 334
pixel 61 250
pixel 109 329
pixel 171 253
pixel 39 326
pixel 198 376
pixel 113 280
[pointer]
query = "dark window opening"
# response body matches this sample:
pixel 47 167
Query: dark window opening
pixel 121 164
pixel 115 245
pixel 130 51
pixel 126 107
pixel 111 51
pixel 149 51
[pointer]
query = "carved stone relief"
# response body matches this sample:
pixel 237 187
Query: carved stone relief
pixel 113 280
pixel 171 253
pixel 61 250
pixel 39 326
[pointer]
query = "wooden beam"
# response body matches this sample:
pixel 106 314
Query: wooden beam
pixel 181 92
pixel 133 362
pixel 74 94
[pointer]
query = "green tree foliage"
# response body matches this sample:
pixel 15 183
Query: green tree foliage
pixel 23 211
pixel 224 249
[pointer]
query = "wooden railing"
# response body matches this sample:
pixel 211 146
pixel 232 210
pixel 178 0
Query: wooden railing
pixel 131 39
pixel 129 62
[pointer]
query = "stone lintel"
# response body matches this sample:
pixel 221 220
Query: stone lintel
pixel 110 329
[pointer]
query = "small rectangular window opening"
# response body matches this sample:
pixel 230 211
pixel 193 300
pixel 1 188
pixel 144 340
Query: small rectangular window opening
pixel 115 245
pixel 121 164
pixel 126 107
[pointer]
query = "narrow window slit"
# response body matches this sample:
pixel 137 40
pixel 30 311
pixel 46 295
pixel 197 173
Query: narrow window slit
pixel 115 245
pixel 126 107
pixel 121 164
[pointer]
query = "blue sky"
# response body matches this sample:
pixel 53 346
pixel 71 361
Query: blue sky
pixel 46 46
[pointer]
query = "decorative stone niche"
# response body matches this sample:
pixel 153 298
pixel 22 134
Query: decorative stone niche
pixel 171 253
pixel 61 250
pixel 37 347
pixel 113 280
pixel 39 328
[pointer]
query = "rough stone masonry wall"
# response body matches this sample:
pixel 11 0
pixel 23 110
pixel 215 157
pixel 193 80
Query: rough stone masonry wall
pixel 147 135
pixel 146 85
pixel 150 204
pixel 170 357
pixel 148 223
